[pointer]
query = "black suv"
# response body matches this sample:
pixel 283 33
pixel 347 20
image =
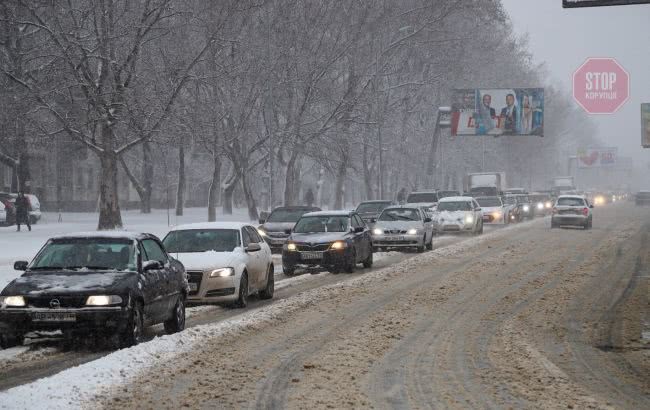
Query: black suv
pixel 109 283
pixel 274 228
pixel 334 240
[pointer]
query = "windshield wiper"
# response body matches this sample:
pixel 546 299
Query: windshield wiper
pixel 46 267
pixel 90 267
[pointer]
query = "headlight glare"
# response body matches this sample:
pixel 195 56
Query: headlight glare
pixel 103 300
pixel 377 231
pixel 412 231
pixel 548 204
pixel 13 301
pixel 222 273
pixel 262 232
pixel 540 206
pixel 469 219
pixel 292 247
pixel 526 208
pixel 338 245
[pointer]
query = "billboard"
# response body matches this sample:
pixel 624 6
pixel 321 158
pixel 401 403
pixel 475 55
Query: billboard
pixel 645 125
pixel 597 157
pixel 592 3
pixel 498 111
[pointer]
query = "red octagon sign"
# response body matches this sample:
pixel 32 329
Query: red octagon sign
pixel 601 85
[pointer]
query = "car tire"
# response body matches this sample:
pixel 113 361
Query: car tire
pixel 334 270
pixel 480 232
pixel 369 260
pixel 177 322
pixel 430 244
pixel 289 270
pixel 242 299
pixel 351 263
pixel 269 289
pixel 132 335
pixel 420 249
pixel 11 340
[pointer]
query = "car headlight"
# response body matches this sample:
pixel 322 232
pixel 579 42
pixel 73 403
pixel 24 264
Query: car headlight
pixel 103 300
pixel 540 206
pixel 412 231
pixel 262 232
pixel 469 219
pixel 291 247
pixel 526 208
pixel 222 273
pixel 548 204
pixel 338 245
pixel 13 301
pixel 497 215
pixel 377 231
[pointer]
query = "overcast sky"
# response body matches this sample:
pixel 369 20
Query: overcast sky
pixel 565 38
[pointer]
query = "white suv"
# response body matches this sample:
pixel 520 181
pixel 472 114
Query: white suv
pixel 572 210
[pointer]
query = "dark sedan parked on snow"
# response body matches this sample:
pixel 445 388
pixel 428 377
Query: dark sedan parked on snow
pixel 334 240
pixel 114 284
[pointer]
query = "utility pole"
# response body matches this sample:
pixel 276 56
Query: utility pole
pixel 442 121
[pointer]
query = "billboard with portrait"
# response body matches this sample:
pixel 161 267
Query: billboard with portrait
pixel 498 111
pixel 645 125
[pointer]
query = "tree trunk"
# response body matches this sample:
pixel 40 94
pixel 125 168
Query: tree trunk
pixel 319 187
pixel 339 191
pixel 228 191
pixel 291 179
pixel 215 187
pixel 367 175
pixel 180 192
pixel 109 205
pixel 253 215
pixel 147 178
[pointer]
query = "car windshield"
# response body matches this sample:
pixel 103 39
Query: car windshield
pixel 87 254
pixel 510 200
pixel 400 214
pixel 537 198
pixel 422 197
pixel 571 202
pixel 455 206
pixel 286 215
pixel 372 206
pixel 487 202
pixel 446 194
pixel 322 223
pixel 202 240
pixel 522 199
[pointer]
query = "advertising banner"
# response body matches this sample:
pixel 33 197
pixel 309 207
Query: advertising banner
pixel 645 125
pixel 592 3
pixel 597 157
pixel 499 111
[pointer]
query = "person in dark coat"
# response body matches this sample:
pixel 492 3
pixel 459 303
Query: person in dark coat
pixel 22 211
pixel 309 197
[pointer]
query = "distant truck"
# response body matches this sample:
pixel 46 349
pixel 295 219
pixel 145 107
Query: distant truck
pixel 561 184
pixel 485 184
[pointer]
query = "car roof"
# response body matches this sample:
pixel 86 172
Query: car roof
pixel 329 213
pixel 106 234
pixel 457 199
pixel 298 207
pixel 571 196
pixel 433 191
pixel 405 206
pixel 370 201
pixel 211 225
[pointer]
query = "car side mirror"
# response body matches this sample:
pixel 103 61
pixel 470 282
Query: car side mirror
pixel 253 247
pixel 151 265
pixel 359 229
pixel 21 265
pixel 427 220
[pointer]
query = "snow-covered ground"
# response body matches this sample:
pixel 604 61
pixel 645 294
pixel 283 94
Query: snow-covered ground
pixel 24 245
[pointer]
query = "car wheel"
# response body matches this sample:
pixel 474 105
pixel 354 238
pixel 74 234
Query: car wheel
pixel 420 248
pixel 133 333
pixel 351 263
pixel 177 322
pixel 11 340
pixel 480 232
pixel 430 244
pixel 288 270
pixel 335 270
pixel 242 300
pixel 368 262
pixel 267 292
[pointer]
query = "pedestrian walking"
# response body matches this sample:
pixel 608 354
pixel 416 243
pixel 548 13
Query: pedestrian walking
pixel 309 197
pixel 22 212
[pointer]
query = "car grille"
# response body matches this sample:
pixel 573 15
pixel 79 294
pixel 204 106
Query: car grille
pixel 64 301
pixel 280 235
pixel 394 231
pixel 220 292
pixel 387 243
pixel 195 277
pixel 319 247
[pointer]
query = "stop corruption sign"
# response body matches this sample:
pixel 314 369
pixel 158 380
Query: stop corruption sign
pixel 601 86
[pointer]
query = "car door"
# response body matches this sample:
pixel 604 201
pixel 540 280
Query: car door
pixel 427 226
pixel 160 280
pixel 261 257
pixel 360 243
pixel 478 215
pixel 252 259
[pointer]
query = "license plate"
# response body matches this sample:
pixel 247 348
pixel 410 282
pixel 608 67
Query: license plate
pixel 53 317
pixel 311 255
pixel 394 238
pixel 193 287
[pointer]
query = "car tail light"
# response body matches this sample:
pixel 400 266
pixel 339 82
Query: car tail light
pixel 585 211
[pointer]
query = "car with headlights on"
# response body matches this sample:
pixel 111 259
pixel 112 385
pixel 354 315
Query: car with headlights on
pixel 520 207
pixel 332 240
pixel 369 211
pixel 493 209
pixel 459 214
pixel 542 203
pixel 276 226
pixel 403 227
pixel 110 284
pixel 427 199
pixel 226 262
pixel 572 210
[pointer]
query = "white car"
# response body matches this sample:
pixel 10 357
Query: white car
pixel 400 227
pixel 493 209
pixel 226 262
pixel 572 210
pixel 3 214
pixel 459 214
